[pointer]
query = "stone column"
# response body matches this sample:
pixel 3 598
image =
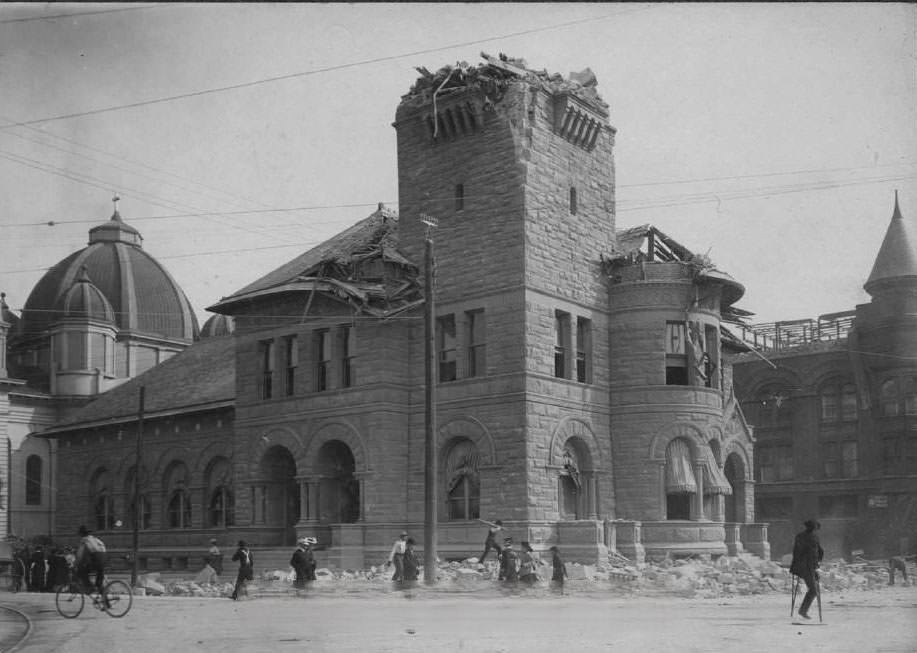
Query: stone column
pixel 699 496
pixel 361 494
pixel 312 492
pixel 303 499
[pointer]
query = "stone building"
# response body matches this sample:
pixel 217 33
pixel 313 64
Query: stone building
pixel 584 389
pixel 835 413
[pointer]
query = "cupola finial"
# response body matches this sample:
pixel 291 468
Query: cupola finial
pixel 115 200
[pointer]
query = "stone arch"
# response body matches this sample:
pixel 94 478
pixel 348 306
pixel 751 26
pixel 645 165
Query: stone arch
pixel 739 450
pixel 273 437
pixel 824 374
pixel 338 430
pixel 208 453
pixel 581 432
pixel 736 471
pixel 789 379
pixel 697 441
pixel 472 429
pixel 182 454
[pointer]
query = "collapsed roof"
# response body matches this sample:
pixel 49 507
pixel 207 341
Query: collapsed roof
pixel 494 75
pixel 361 265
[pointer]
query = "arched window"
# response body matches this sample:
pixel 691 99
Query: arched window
pixel 146 509
pixel 179 509
pixel 221 504
pixel 848 402
pixel 829 403
pixel 103 506
pixel 570 488
pixel 33 469
pixel 680 485
pixel 888 398
pixel 910 396
pixel 178 504
pixel 463 484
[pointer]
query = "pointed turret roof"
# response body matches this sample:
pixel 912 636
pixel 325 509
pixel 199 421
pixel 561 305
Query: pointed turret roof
pixel 897 257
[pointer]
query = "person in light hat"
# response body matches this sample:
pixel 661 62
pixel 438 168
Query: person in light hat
pixel 396 556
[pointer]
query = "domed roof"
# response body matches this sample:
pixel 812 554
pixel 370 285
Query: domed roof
pixel 218 325
pixel 84 300
pixel 143 296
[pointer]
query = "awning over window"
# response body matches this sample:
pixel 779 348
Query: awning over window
pixel 679 475
pixel 715 481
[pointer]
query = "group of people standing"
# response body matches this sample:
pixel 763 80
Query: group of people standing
pixel 35 571
pixel 522 566
pixel 513 567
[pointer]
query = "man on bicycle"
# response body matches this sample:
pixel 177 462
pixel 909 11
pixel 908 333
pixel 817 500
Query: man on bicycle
pixel 90 557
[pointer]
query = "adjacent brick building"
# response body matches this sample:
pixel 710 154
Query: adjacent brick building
pixel 835 413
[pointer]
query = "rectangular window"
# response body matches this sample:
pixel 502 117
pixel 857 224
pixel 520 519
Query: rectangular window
pixel 322 359
pixel 829 408
pixel 348 351
pixel 583 350
pixel 445 347
pixel 266 356
pixel 97 352
pixel 291 360
pixel 477 343
pixel 775 463
pixel 676 361
pixel 832 463
pixel 76 352
pixel 711 357
pixel 891 454
pixel 459 197
pixel 910 453
pixel 562 344
pixel 849 458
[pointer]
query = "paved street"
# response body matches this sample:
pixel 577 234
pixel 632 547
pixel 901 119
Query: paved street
pixel 421 620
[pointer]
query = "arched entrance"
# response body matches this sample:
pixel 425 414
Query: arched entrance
pixel 574 500
pixel 734 469
pixel 281 492
pixel 339 493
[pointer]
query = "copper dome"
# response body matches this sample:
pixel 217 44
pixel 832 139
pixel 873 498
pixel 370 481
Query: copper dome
pixel 143 296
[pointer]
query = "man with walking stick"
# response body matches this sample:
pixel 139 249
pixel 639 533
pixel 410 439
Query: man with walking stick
pixel 807 554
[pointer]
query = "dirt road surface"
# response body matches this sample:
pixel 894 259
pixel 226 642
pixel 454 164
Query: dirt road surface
pixel 419 620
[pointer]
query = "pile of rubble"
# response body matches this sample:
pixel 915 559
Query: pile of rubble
pixel 699 577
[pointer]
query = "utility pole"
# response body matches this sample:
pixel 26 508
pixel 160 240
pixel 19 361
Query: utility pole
pixel 430 476
pixel 137 502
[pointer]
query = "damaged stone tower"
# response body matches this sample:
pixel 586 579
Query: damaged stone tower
pixel 517 168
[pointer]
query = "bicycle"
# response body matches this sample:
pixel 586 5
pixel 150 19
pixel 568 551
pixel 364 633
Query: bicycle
pixel 115 600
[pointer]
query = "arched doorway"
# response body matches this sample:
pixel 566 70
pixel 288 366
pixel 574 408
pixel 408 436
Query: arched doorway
pixel 574 501
pixel 281 492
pixel 734 469
pixel 339 492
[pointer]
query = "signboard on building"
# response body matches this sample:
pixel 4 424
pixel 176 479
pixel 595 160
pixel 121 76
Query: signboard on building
pixel 877 501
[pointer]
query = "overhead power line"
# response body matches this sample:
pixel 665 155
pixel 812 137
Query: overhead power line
pixel 28 19
pixel 316 71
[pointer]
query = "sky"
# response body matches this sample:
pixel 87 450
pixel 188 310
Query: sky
pixel 770 137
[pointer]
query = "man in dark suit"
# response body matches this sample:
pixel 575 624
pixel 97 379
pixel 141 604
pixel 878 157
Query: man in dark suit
pixel 807 554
